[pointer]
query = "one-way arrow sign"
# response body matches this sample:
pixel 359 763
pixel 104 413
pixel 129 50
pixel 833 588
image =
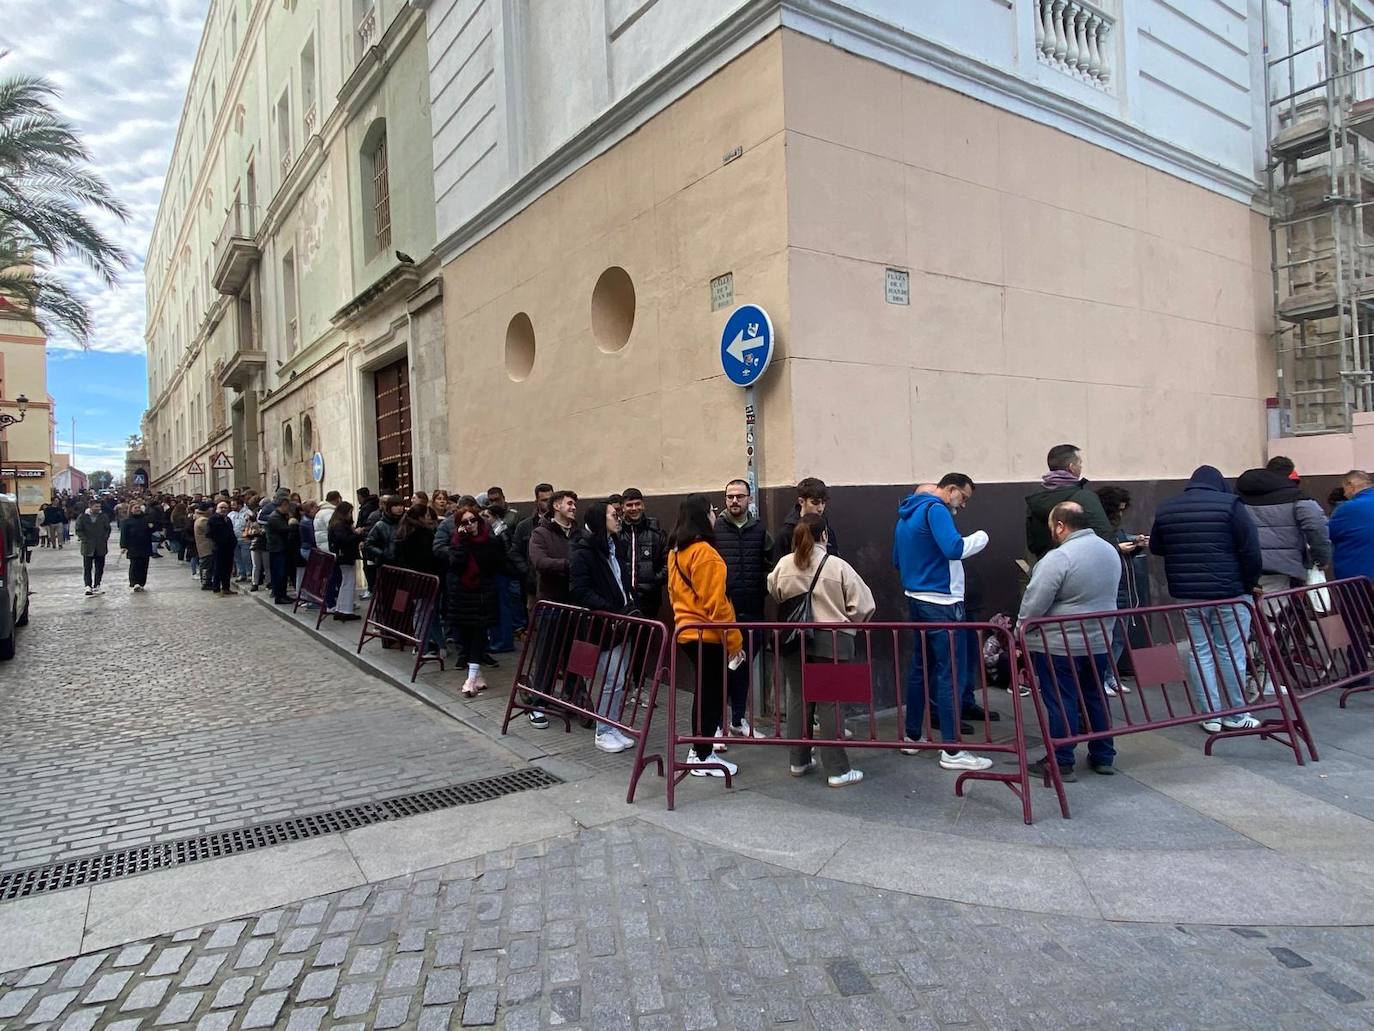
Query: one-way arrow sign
pixel 746 345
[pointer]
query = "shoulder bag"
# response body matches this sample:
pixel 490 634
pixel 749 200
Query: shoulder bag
pixel 798 610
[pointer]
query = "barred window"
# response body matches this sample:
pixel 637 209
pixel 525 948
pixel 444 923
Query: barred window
pixel 381 197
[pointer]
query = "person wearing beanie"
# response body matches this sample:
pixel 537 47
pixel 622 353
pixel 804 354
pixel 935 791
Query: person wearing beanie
pixel 1211 551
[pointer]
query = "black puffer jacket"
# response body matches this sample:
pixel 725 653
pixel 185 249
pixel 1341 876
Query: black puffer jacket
pixel 1208 541
pixel 343 541
pixel 592 582
pixel 642 548
pixel 476 607
pixel 747 551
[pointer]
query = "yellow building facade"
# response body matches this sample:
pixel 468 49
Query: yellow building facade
pixel 26 446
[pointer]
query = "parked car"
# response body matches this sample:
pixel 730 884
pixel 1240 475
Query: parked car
pixel 14 574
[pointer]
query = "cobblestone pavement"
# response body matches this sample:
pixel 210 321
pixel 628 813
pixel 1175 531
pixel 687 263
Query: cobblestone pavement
pixel 132 718
pixel 632 927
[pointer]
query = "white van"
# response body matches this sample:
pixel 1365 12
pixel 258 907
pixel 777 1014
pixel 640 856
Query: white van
pixel 14 575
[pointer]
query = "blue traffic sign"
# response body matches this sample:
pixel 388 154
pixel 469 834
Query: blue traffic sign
pixel 746 345
pixel 317 467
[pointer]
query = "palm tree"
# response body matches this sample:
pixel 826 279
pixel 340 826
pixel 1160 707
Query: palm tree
pixel 46 196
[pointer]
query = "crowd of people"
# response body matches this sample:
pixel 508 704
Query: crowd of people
pixel 720 565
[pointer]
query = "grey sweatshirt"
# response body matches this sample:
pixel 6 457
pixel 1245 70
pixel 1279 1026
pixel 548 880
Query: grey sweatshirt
pixel 1081 575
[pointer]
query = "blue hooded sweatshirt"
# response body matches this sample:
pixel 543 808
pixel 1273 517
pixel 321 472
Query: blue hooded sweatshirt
pixel 1352 536
pixel 928 551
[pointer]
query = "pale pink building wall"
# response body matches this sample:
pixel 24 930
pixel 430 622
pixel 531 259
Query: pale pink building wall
pixel 1058 291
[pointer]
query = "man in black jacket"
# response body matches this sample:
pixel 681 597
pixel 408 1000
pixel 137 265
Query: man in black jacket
pixel 519 543
pixel 1211 553
pixel 226 541
pixel 812 498
pixel 278 526
pixel 643 550
pixel 136 541
pixel 747 549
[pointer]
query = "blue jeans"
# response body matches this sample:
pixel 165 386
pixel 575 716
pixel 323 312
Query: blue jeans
pixel 243 562
pixel 967 657
pixel 1218 636
pixel 1061 678
pixel 938 656
pixel 612 669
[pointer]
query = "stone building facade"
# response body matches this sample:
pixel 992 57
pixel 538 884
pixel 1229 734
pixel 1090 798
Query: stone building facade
pixel 293 253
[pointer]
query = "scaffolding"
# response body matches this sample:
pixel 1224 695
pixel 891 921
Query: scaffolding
pixel 1320 176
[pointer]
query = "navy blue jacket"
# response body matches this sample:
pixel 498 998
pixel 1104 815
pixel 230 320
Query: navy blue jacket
pixel 1208 541
pixel 1352 536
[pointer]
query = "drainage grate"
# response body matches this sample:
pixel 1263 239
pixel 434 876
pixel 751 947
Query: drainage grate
pixel 106 866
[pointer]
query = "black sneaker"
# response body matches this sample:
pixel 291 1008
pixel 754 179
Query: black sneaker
pixel 538 720
pixel 1106 769
pixel 964 728
pixel 1066 774
pixel 489 661
pixel 977 712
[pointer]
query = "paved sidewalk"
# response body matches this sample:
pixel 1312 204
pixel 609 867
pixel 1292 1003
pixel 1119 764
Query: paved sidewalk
pixel 629 926
pixel 134 718
pixel 1231 892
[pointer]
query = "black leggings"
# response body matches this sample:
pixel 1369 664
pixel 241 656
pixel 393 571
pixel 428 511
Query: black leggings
pixel 707 661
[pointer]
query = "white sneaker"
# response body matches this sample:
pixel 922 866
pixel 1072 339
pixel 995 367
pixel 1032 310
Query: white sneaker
pixel 629 741
pixel 742 729
pixel 720 746
pixel 610 741
pixel 1109 689
pixel 89 592
pixel 963 761
pixel 1242 722
pixel 1211 726
pixel 802 771
pixel 845 779
pixel 911 751
pixel 816 730
pixel 710 771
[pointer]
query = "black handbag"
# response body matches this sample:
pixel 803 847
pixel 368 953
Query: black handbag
pixel 798 610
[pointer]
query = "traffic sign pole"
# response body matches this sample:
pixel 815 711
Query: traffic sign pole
pixel 746 348
pixel 751 475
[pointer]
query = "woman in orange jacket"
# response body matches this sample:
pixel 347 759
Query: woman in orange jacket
pixel 696 588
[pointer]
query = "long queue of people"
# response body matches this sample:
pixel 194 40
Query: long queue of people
pixel 721 565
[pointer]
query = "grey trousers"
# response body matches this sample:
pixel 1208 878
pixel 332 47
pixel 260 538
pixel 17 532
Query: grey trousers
pixel 834 761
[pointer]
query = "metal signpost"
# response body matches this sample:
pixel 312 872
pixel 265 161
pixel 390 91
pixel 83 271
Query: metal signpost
pixel 746 348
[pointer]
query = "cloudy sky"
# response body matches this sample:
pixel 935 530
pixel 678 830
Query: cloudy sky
pixel 122 66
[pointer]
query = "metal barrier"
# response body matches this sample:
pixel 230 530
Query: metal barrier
pixel 832 674
pixel 1195 667
pixel 595 665
pixel 319 570
pixel 1319 637
pixel 402 606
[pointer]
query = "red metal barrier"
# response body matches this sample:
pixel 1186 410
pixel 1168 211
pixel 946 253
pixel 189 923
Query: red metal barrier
pixel 319 570
pixel 1319 637
pixel 402 605
pixel 828 678
pixel 595 665
pixel 1197 666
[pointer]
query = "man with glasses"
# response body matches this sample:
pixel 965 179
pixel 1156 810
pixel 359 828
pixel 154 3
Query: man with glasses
pixel 747 549
pixel 928 552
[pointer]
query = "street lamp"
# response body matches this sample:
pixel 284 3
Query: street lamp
pixel 9 420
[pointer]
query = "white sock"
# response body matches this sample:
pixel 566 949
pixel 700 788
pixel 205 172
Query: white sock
pixel 474 670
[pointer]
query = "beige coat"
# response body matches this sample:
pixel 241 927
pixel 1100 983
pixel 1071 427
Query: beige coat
pixel 840 596
pixel 205 547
